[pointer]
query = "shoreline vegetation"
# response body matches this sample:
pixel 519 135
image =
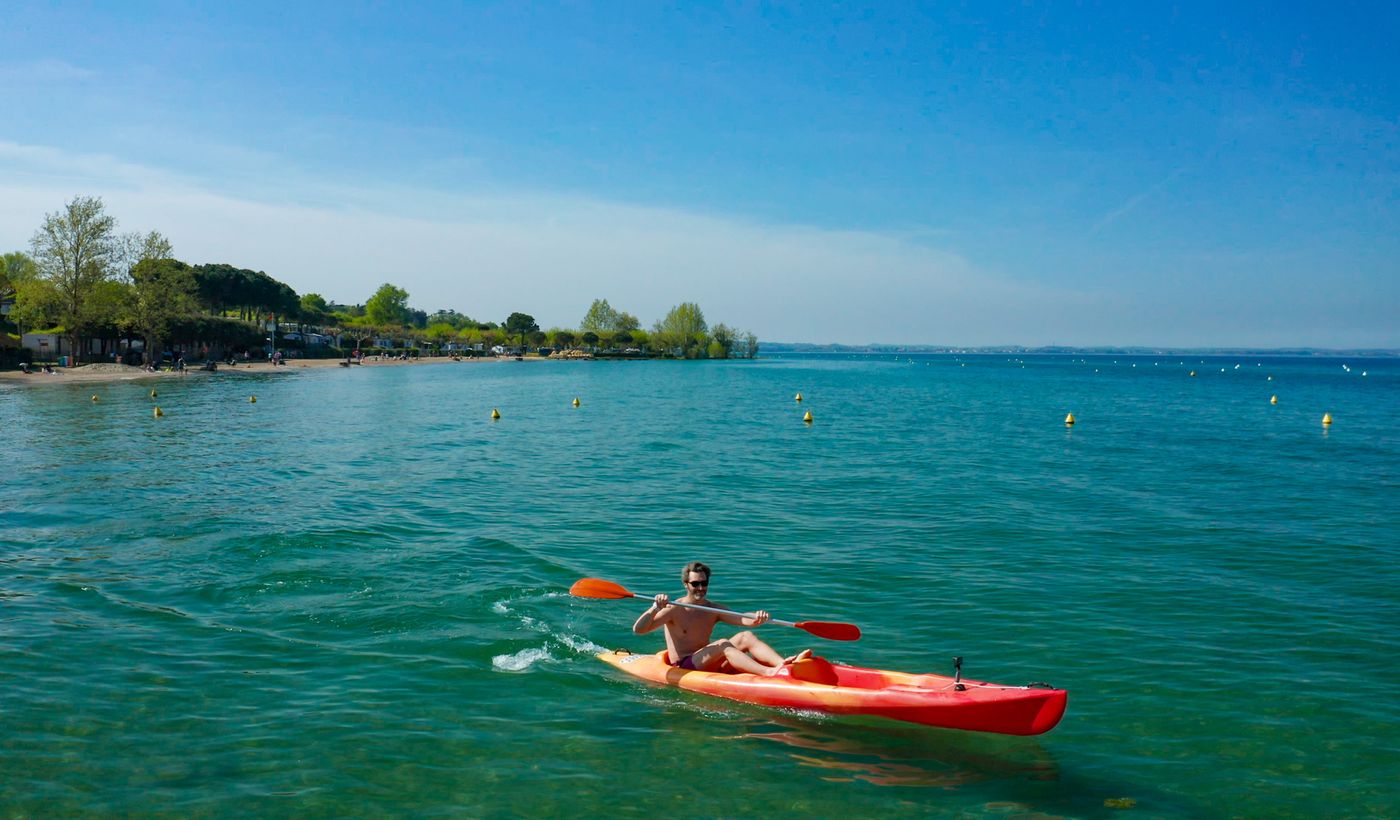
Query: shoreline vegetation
pixel 121 299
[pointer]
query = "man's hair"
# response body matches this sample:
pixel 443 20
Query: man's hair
pixel 695 566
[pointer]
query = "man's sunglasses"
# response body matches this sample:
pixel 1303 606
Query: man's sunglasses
pixel 700 584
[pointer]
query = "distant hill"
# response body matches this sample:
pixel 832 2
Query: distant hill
pixel 804 347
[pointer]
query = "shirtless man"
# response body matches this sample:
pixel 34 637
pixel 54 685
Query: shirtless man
pixel 688 643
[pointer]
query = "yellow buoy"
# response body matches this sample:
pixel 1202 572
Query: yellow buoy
pixel 798 397
pixel 158 412
pixel 1273 400
pixel 252 399
pixel 153 392
pixel 576 402
pixel 1069 419
pixel 94 397
pixel 1326 418
pixel 495 414
pixel 807 417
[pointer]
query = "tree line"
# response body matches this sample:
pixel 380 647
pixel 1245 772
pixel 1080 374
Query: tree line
pixel 88 282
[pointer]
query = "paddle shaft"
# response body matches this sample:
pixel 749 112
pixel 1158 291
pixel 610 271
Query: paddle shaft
pixel 722 611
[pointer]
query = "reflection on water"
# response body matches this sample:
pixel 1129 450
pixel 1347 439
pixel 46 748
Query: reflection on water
pixel 895 756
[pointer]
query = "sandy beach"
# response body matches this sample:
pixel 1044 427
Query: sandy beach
pixel 109 372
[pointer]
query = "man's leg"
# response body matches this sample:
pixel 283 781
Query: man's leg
pixel 762 652
pixel 713 657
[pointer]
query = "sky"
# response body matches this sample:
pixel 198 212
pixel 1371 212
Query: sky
pixel 1183 175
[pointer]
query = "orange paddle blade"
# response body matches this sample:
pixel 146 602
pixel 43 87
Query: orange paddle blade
pixel 598 588
pixel 831 630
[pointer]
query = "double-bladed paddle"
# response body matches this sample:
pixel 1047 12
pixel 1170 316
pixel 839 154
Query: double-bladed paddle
pixel 598 588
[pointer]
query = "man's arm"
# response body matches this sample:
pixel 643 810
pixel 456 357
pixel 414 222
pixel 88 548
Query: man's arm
pixel 656 615
pixel 744 618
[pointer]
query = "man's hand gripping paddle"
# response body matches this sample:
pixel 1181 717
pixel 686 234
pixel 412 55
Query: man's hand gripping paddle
pixel 598 588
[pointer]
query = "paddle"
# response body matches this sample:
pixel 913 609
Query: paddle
pixel 598 588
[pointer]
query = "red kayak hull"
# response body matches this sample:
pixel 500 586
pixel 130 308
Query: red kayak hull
pixel 839 689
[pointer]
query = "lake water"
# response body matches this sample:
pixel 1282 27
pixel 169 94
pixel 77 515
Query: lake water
pixel 348 598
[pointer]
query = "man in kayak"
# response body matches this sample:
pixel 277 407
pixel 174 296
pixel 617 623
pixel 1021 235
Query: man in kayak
pixel 688 643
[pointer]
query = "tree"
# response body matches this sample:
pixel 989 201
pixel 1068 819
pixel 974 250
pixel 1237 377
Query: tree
pixel 313 309
pixel 135 247
pixel 564 338
pixel 681 327
pixel 440 333
pixel 600 316
pixel 589 338
pixel 163 294
pixel 518 324
pixel 388 306
pixel 751 345
pixel 452 317
pixel 17 269
pixel 76 250
pixel 722 343
pixel 628 322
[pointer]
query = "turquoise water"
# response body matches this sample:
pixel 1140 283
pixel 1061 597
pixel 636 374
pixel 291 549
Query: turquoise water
pixel 348 598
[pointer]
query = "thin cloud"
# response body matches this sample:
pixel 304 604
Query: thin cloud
pixel 552 254
pixel 1134 201
pixel 44 71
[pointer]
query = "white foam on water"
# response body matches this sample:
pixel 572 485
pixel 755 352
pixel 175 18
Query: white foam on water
pixel 521 660
pixel 581 644
pixel 500 608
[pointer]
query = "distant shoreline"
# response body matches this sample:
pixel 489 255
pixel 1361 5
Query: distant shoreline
pixel 107 372
pixel 1305 352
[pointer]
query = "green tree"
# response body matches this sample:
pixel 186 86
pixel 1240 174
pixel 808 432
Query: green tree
pixel 519 324
pixel 313 309
pixel 16 269
pixel 564 338
pixel 163 293
pixel 683 328
pixel 388 306
pixel 440 333
pixel 136 247
pixel 628 322
pixel 722 341
pixel 77 249
pixel 600 317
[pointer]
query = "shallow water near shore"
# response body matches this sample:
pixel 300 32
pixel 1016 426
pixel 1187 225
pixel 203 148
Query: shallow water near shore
pixel 349 597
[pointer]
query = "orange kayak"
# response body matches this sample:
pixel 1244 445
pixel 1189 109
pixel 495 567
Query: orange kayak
pixel 838 689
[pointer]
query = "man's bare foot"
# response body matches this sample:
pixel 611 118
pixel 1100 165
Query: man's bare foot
pixel 800 656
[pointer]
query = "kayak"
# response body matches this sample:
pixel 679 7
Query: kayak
pixel 819 685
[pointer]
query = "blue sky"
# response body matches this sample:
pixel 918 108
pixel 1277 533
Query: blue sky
pixel 943 174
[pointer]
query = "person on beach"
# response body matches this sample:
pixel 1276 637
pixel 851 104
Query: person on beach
pixel 688 644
